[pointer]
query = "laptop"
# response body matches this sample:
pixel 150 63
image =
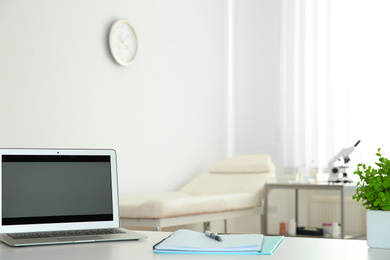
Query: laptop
pixel 57 196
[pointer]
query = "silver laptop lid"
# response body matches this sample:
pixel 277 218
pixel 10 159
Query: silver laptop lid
pixel 57 189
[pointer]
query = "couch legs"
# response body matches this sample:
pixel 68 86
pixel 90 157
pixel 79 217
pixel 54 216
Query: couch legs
pixel 157 229
pixel 206 225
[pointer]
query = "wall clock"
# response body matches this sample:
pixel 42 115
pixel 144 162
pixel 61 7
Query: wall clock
pixel 123 42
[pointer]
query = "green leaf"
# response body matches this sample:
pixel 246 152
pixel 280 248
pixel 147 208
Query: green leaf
pixel 373 189
pixel 386 203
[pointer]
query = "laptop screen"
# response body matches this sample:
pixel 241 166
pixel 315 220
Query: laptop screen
pixel 72 188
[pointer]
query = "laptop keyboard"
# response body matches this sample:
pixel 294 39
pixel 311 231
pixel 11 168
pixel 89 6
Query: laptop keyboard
pixel 66 233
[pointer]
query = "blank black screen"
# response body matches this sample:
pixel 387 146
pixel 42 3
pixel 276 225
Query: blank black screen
pixel 56 189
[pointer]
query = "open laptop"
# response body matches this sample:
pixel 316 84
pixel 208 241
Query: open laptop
pixel 50 196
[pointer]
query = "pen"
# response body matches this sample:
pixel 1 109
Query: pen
pixel 213 235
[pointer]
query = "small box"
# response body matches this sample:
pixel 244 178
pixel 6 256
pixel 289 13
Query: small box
pixel 310 231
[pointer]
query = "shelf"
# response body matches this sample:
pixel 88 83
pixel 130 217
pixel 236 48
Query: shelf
pixel 341 188
pixel 357 236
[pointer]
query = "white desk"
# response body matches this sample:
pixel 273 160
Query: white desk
pixel 291 248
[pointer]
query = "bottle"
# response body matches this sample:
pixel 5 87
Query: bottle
pixel 327 227
pixel 336 230
pixel 292 227
pixel 282 228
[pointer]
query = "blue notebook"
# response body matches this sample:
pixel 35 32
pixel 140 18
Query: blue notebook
pixel 192 242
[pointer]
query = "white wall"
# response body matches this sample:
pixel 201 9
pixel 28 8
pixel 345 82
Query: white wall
pixel 256 87
pixel 257 96
pixel 164 115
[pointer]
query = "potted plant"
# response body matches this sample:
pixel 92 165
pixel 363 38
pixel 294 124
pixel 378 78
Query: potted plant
pixel 373 190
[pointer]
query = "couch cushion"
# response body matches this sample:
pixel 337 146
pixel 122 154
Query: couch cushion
pixel 228 183
pixel 253 163
pixel 173 204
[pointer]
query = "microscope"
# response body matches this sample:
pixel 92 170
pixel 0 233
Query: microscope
pixel 338 172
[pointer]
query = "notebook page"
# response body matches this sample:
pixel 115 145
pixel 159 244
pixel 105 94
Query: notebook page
pixel 187 240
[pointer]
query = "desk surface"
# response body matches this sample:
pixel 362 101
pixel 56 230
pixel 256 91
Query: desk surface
pixel 291 248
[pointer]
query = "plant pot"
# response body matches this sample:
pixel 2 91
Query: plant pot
pixel 378 228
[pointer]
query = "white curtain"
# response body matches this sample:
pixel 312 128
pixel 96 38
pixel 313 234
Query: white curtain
pixel 307 95
pixel 335 80
pixel 360 43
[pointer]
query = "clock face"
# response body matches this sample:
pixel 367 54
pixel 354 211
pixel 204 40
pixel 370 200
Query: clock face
pixel 123 42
